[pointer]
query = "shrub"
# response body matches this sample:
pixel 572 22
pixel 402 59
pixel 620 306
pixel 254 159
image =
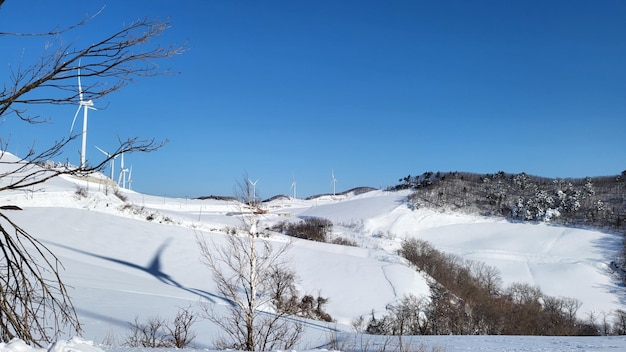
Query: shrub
pixel 151 333
pixel 314 229
pixel 286 299
pixel 157 333
pixel 343 242
pixel 81 192
pixel 120 195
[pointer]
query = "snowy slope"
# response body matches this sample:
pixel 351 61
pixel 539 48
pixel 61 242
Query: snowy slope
pixel 122 266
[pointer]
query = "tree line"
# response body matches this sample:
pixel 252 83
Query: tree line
pixel 467 299
pixel 598 202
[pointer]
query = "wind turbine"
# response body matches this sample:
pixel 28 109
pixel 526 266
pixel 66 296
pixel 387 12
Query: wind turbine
pixel 333 180
pixel 293 185
pixel 85 105
pixel 253 189
pixel 123 172
pixel 112 167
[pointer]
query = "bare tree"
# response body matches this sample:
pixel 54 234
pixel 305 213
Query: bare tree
pixel 243 271
pixel 34 302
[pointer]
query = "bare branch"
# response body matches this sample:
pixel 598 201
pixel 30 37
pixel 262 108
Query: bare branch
pixel 34 308
pixel 56 31
pixel 34 302
pixel 114 61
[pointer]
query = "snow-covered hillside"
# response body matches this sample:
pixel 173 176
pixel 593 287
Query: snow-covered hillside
pixel 139 258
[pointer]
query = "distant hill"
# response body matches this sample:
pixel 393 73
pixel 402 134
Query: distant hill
pixel 226 198
pixel 353 191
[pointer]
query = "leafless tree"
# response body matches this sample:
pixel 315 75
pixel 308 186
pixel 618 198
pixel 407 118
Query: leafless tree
pixel 34 302
pixel 619 322
pixel 243 271
pixel 486 276
pixel 605 323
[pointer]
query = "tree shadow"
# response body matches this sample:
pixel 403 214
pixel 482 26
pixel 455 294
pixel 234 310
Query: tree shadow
pixel 610 246
pixel 154 268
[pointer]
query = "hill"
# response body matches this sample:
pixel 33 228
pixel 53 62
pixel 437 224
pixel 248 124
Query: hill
pixel 138 258
pixel 598 202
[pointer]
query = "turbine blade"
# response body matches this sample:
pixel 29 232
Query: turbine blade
pixel 74 120
pixel 103 152
pixel 80 88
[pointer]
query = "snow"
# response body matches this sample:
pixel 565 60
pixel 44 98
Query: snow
pixel 120 265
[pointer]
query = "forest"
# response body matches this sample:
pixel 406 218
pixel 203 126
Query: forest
pixel 593 202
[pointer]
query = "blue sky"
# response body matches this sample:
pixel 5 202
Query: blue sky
pixel 374 90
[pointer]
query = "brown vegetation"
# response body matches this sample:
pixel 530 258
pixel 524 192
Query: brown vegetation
pixel 467 299
pixel 311 228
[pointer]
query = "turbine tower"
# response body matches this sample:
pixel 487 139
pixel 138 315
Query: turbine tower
pixel 333 180
pixel 129 182
pixel 85 105
pixel 293 185
pixel 253 189
pixel 121 181
pixel 112 167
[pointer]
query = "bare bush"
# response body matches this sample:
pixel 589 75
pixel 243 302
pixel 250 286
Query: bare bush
pixel 157 333
pixel 343 242
pixel 313 228
pixel 120 195
pixel 151 333
pixel 180 333
pixel 81 192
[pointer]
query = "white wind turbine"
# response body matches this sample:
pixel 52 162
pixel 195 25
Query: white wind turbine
pixel 293 185
pixel 333 180
pixel 112 167
pixel 85 105
pixel 121 181
pixel 253 189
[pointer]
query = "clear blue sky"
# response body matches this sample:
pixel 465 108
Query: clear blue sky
pixel 374 90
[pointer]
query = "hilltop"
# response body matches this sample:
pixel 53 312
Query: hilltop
pixel 596 202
